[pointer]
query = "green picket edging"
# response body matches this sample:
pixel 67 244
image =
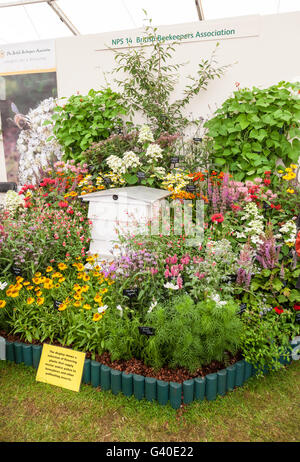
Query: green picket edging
pixel 151 389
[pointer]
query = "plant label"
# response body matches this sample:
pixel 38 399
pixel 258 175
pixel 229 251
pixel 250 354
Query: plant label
pixel 197 140
pixel 145 330
pixel 56 304
pixel 16 271
pixel 190 188
pixel 141 175
pixel 174 160
pixel 60 366
pixel 131 293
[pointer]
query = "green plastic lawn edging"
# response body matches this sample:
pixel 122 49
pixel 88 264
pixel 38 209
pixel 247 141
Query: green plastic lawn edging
pixel 151 389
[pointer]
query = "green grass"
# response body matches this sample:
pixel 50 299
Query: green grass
pixel 264 410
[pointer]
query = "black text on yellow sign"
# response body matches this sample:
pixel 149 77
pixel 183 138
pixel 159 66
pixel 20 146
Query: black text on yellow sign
pixel 61 367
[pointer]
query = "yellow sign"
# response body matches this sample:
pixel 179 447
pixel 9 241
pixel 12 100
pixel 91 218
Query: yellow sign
pixel 61 367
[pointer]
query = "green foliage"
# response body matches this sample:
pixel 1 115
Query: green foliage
pixel 97 153
pixel 151 79
pixel 191 335
pixel 265 339
pixel 84 120
pixel 255 128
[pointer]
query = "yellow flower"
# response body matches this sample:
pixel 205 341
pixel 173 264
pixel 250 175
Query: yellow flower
pixel 103 291
pixel 77 297
pixel 19 279
pixel 85 277
pixel 26 283
pixel 98 298
pixel 86 306
pixel 61 279
pixel 294 166
pixel 36 280
pixel 97 317
pixel 56 275
pixel 62 307
pixel 39 294
pixel 57 285
pixel 290 191
pixel 280 171
pixel 40 300
pixel 78 303
pixel 2 303
pixel 30 300
pixel 79 276
pixel 85 288
pixel 14 294
pixel 37 275
pixel 49 269
pixel 30 287
pixel 288 169
pixel 62 266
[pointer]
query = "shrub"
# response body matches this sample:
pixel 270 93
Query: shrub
pixel 256 128
pixel 83 120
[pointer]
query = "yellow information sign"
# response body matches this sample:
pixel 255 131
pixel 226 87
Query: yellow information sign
pixel 61 367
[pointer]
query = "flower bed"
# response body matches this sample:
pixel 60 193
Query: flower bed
pixel 216 284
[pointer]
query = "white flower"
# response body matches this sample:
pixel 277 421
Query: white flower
pixel 101 309
pixel 153 305
pixel 145 135
pixel 120 309
pixel 154 152
pixel 169 285
pixel 12 201
pixel 34 149
pixel 115 163
pixel 130 159
pixel 3 285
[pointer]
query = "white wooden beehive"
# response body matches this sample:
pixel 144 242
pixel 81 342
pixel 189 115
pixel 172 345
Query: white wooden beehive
pixel 127 209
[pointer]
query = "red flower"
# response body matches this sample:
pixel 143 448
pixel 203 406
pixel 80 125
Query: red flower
pixel 297 307
pixel 63 204
pixel 268 172
pixel 278 309
pixel 217 217
pixel 267 181
pixel 297 244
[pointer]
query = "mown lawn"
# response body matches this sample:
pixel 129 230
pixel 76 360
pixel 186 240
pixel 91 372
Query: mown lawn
pixel 264 410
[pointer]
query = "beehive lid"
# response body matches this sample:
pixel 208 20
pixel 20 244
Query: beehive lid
pixel 140 193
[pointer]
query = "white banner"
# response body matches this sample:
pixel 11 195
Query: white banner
pixel 19 58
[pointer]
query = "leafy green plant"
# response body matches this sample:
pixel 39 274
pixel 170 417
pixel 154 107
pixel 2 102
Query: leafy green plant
pixel 83 120
pixel 265 339
pixel 191 335
pixel 151 78
pixel 256 128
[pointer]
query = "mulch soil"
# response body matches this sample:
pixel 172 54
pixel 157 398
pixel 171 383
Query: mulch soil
pixel 136 366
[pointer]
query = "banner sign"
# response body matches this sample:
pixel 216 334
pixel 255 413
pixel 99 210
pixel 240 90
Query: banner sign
pixel 192 32
pixel 61 367
pixel 35 57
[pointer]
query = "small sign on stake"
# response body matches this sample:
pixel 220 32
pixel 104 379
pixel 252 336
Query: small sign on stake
pixel 16 271
pixel 197 140
pixel 190 188
pixel 131 293
pixel 243 307
pixel 145 330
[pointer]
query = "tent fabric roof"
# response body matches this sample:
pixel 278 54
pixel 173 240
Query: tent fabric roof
pixel 38 21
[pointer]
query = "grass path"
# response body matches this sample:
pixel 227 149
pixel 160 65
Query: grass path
pixel 264 410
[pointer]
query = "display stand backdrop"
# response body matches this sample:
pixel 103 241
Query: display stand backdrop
pixel 27 76
pixel 259 49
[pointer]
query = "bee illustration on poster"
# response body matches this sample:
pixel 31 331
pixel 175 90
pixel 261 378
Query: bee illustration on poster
pixel 19 93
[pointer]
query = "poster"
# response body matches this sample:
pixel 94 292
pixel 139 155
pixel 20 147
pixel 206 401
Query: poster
pixel 27 77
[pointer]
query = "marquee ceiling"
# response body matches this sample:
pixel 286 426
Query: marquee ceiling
pixel 38 20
